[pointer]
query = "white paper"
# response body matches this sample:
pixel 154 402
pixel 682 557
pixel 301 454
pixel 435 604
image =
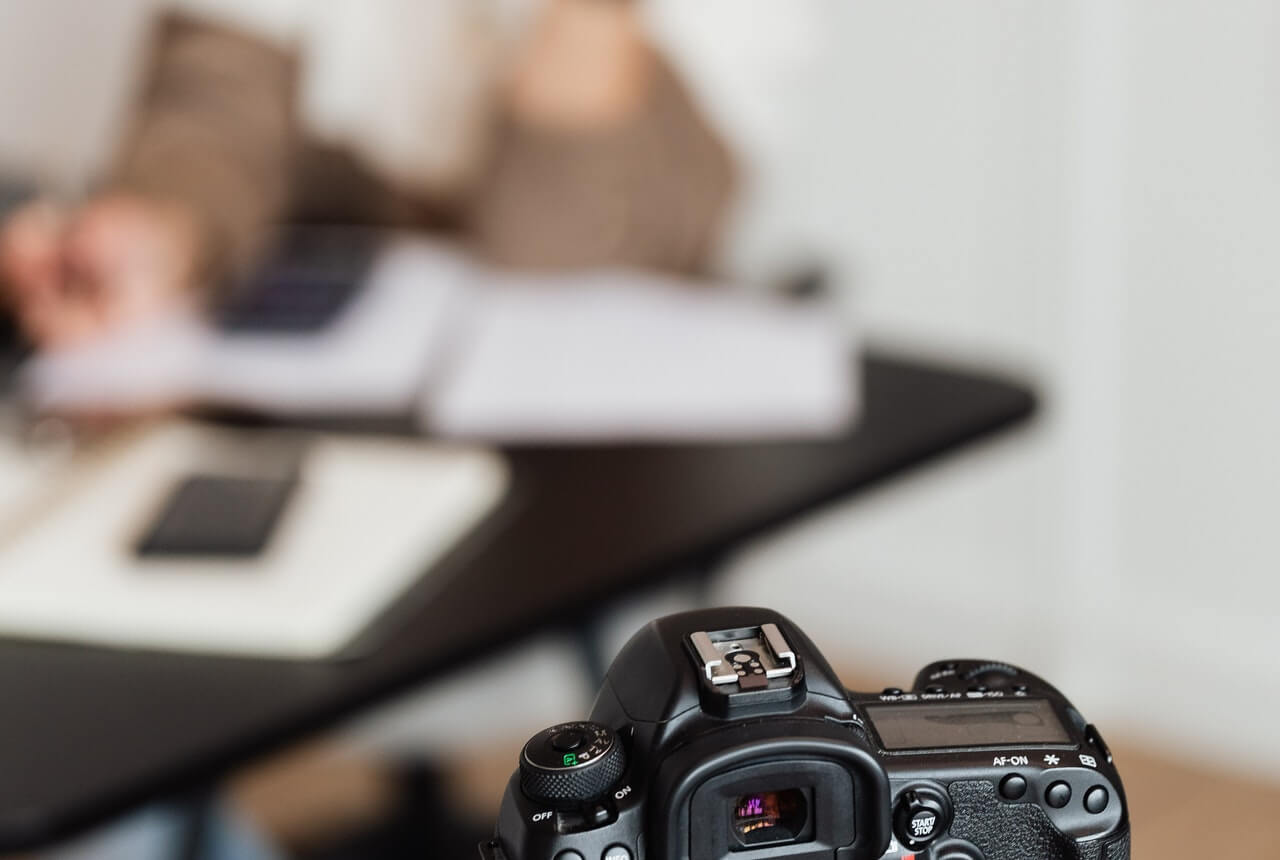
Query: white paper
pixel 617 354
pixel 368 517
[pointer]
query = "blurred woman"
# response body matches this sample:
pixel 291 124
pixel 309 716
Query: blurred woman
pixel 544 133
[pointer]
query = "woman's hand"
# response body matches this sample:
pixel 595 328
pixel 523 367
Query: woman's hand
pixel 587 66
pixel 118 259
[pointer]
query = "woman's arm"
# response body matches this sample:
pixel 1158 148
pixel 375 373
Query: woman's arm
pixel 213 131
pixel 202 171
pixel 602 157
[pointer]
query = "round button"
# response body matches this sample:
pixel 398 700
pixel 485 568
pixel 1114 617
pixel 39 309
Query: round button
pixel 1013 787
pixel 924 823
pixel 956 849
pixel 892 691
pixel 568 741
pixel 920 816
pixel 616 852
pixel 1058 794
pixel 1096 799
pixel 569 855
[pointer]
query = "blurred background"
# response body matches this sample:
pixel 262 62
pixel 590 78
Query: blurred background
pixel 1083 195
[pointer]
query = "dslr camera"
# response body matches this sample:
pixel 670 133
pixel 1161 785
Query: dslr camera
pixel 725 735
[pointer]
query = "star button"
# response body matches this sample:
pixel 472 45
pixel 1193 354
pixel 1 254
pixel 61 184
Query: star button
pixel 1051 760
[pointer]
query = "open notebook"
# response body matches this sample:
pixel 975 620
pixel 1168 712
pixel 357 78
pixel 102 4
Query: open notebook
pixel 501 355
pixel 365 519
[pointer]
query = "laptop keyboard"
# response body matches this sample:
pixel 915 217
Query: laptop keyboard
pixel 306 280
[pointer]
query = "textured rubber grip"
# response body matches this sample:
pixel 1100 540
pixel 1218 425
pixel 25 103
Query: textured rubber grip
pixel 1020 831
pixel 1118 849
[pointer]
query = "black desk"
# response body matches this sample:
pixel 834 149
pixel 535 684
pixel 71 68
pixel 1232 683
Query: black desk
pixel 85 733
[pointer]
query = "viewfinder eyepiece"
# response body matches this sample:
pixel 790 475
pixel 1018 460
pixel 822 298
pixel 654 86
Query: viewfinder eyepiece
pixel 769 817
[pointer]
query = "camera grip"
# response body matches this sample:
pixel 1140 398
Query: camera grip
pixel 1021 831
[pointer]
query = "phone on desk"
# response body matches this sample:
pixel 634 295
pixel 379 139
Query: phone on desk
pixel 218 515
pixel 242 541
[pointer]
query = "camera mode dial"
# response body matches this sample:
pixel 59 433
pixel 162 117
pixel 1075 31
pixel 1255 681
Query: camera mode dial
pixel 571 763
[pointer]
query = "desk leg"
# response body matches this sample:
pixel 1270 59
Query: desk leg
pixel 687 588
pixel 591 651
pixel 195 814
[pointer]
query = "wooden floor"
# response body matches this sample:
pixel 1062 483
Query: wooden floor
pixel 1178 811
pixel 1182 812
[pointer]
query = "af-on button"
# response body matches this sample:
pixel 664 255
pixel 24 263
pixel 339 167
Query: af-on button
pixel 1013 787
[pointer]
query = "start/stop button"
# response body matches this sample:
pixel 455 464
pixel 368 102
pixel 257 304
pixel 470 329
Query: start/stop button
pixel 921 815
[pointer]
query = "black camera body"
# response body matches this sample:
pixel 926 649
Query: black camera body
pixel 725 735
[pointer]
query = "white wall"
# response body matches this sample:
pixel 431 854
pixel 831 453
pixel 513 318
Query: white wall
pixel 1085 192
pixel 1190 478
pixel 66 67
pixel 1088 192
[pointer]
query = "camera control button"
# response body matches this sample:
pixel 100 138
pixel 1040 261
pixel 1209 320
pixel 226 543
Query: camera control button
pixel 1058 794
pixel 568 741
pixel 570 821
pixel 570 854
pixel 1013 787
pixel 920 817
pixel 1096 799
pixel 956 849
pixel 616 852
